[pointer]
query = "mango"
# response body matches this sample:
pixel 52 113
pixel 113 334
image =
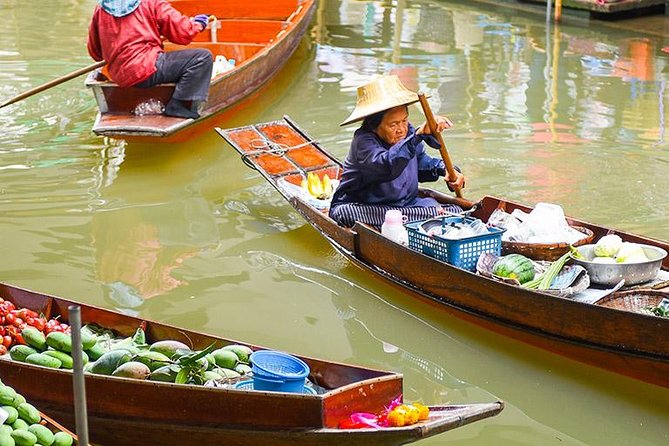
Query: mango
pixel 243 369
pixel 211 376
pixel 28 413
pixel 59 341
pixel 153 360
pixel 62 439
pixel 43 360
pixel 110 361
pixel 24 438
pixel 43 434
pixel 225 358
pixel 34 338
pixel 168 347
pixel 167 374
pixel 21 352
pixel 243 352
pixel 132 369
pixel 227 373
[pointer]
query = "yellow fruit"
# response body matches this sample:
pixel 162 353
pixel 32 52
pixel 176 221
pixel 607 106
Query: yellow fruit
pixel 423 411
pixel 304 184
pixel 327 186
pixel 315 186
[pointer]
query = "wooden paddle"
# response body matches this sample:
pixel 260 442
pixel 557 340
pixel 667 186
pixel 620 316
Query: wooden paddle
pixel 429 116
pixel 53 83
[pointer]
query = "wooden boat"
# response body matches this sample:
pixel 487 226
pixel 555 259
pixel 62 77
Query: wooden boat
pixel 123 411
pixel 260 35
pixel 628 343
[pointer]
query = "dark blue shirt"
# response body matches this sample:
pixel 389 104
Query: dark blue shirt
pixel 377 173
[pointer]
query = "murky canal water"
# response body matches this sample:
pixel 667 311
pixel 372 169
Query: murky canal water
pixel 186 234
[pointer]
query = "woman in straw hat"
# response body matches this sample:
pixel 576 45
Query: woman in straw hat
pixel 387 159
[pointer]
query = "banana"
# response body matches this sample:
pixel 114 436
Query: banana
pixel 327 186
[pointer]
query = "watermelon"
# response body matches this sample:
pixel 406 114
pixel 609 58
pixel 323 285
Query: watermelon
pixel 514 266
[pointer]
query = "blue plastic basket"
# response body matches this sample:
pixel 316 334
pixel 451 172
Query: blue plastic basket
pixel 463 253
pixel 278 371
pixel 249 385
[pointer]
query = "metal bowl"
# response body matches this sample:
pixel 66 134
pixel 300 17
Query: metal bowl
pixel 610 274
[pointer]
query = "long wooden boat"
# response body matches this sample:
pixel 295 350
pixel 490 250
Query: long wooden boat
pixel 123 411
pixel 260 35
pixel 628 343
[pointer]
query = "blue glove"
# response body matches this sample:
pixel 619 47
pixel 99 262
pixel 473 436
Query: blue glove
pixel 202 19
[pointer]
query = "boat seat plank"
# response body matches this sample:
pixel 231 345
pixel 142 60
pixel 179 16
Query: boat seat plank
pixel 249 31
pixel 231 50
pixel 270 9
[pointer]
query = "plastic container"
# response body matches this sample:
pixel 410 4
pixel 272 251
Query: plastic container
pixel 278 372
pixel 393 227
pixel 249 385
pixel 464 252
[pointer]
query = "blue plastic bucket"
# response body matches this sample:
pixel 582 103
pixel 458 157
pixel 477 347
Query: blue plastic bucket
pixel 278 371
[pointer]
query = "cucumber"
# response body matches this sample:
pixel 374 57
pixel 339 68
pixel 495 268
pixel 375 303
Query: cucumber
pixel 59 341
pixel 21 352
pixel 65 359
pixel 28 413
pixel 43 360
pixel 7 396
pixel 24 438
pixel 62 439
pixel 34 338
pixel 12 412
pixel 20 425
pixel 44 435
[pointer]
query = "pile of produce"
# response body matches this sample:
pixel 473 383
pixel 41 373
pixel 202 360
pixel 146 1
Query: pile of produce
pixel 396 414
pixel 167 360
pixel 23 424
pixel 522 269
pixel 132 357
pixel 13 320
pixel 612 249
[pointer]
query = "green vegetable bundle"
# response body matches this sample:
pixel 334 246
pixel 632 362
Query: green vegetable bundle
pixel 544 280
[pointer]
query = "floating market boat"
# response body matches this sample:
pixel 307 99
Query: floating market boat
pixel 127 411
pixel 259 35
pixel 626 342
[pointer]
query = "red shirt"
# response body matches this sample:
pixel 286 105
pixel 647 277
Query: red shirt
pixel 131 44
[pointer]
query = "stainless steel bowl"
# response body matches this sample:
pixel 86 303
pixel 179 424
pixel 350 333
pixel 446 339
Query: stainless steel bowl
pixel 610 274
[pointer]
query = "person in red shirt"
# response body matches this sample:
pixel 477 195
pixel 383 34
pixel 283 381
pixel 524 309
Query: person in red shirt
pixel 127 34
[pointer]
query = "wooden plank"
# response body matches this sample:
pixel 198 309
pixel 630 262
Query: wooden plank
pixel 225 9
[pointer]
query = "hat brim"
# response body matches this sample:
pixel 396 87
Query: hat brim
pixel 362 111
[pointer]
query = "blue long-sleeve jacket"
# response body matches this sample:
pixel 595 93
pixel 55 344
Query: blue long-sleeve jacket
pixel 377 173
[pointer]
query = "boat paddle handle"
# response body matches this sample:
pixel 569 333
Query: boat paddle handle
pixel 53 83
pixel 442 145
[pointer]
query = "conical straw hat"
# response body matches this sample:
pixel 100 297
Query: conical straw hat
pixel 381 94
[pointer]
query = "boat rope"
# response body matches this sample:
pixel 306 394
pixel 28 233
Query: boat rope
pixel 266 147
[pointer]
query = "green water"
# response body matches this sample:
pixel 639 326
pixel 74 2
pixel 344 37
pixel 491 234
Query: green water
pixel 186 234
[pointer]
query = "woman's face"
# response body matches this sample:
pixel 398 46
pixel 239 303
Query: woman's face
pixel 394 125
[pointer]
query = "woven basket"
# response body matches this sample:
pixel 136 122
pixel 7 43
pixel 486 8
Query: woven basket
pixel 635 301
pixel 545 251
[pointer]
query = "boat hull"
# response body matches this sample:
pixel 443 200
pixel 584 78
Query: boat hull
pixel 628 343
pixel 125 411
pixel 115 118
